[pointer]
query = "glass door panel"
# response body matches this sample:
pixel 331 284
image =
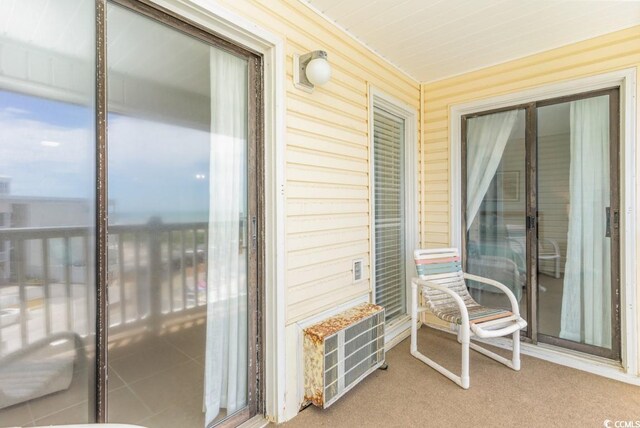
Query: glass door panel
pixel 495 211
pixel 178 202
pixel 576 226
pixel 47 217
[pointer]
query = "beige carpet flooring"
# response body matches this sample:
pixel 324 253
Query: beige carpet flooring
pixel 411 394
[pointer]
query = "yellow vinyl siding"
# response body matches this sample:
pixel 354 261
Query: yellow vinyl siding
pixel 599 55
pixel 327 155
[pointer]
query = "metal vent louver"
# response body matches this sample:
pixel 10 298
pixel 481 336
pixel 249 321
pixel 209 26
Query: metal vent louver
pixel 342 350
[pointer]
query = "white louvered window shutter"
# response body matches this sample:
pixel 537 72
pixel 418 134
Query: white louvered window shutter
pixel 389 207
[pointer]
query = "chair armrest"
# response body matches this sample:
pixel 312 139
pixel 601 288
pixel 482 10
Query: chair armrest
pixel 512 298
pixel 464 313
pixel 554 244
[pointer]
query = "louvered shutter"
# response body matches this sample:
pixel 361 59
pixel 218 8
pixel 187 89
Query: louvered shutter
pixel 388 153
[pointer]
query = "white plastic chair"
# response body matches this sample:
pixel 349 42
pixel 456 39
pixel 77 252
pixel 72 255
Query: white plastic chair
pixel 441 284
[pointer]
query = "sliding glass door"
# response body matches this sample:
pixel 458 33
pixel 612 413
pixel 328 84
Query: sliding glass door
pixel 542 216
pixel 578 223
pixel 130 218
pixel 182 203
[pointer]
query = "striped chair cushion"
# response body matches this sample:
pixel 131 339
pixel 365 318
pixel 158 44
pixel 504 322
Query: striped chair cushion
pixel 444 267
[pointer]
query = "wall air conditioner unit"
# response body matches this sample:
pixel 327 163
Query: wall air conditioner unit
pixel 341 351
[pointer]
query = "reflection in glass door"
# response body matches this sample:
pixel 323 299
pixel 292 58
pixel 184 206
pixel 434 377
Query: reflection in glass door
pixel 47 217
pixel 182 202
pixel 542 215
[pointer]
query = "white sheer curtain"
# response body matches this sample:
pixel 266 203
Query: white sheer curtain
pixel 226 347
pixel 586 299
pixel 487 137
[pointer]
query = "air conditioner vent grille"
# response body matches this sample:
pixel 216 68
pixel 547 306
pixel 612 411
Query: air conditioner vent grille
pixel 342 350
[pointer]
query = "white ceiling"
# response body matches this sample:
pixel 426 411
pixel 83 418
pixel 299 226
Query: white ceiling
pixel 137 46
pixel 435 39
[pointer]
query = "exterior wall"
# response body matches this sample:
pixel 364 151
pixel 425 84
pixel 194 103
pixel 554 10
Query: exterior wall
pixel 606 53
pixel 327 146
pixel 614 51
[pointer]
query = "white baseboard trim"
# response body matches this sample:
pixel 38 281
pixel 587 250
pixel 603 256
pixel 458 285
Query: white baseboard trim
pixel 397 332
pixel 564 357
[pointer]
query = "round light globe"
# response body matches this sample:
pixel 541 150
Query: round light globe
pixel 318 71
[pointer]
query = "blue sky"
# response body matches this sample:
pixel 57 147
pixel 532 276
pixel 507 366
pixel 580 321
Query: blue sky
pixel 47 148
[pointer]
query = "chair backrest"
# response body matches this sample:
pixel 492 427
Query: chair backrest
pixel 437 262
pixel 442 266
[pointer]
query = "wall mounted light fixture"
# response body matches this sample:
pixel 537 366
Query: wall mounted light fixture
pixel 311 69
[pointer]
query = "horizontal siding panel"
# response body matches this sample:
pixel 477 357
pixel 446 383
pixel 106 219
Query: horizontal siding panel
pixel 334 88
pixel 303 139
pixel 435 240
pixel 325 159
pixel 326 191
pixel 297 207
pixel 309 275
pixel 307 241
pixel 438 155
pixel 437 197
pixel 438 186
pixel 441 174
pixel 353 108
pixel 308 174
pixel 436 227
pixel 325 223
pixel 318 126
pixel 322 302
pixel 326 285
pixel 437 218
pixel 315 256
pixel 437 208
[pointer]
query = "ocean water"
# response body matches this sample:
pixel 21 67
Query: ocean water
pixel 124 218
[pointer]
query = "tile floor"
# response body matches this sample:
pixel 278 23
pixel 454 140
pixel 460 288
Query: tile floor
pixel 156 381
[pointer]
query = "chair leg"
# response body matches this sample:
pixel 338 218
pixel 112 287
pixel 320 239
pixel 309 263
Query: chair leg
pixel 557 272
pixel 463 380
pixel 513 363
pixel 516 350
pixel 414 318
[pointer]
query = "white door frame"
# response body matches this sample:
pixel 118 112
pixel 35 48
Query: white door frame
pixel 399 329
pixel 626 80
pixel 212 15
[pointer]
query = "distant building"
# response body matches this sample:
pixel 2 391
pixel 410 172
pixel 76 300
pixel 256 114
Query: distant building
pixel 40 212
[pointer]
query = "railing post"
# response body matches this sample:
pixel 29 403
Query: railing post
pixel 20 262
pixel 155 274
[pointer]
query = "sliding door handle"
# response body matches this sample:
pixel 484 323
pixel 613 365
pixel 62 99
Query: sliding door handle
pixel 531 222
pixel 254 233
pixel 607 233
